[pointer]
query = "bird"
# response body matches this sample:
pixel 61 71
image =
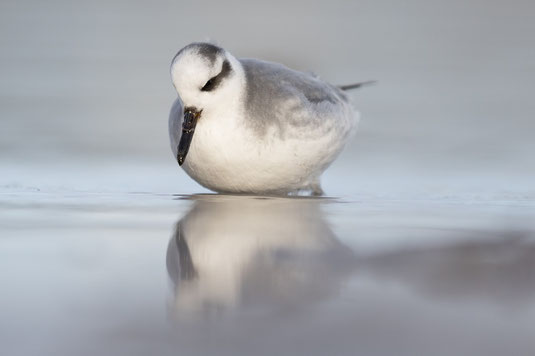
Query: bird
pixel 248 126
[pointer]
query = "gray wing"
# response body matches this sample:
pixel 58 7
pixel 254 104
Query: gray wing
pixel 277 95
pixel 175 125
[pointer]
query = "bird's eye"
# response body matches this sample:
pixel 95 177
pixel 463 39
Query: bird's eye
pixel 209 85
pixel 215 81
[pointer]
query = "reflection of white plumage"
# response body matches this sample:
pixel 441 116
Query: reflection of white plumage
pixel 230 251
pixel 249 126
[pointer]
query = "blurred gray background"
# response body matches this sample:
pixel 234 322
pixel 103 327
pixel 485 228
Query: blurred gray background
pixel 86 84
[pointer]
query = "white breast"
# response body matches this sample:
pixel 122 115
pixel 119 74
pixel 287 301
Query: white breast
pixel 226 155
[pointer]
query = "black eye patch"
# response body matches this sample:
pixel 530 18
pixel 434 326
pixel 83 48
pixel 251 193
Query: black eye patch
pixel 215 81
pixel 209 85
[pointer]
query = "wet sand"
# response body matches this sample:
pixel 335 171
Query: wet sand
pixel 136 273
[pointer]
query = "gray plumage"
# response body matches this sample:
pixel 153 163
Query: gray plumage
pixel 277 95
pixel 207 51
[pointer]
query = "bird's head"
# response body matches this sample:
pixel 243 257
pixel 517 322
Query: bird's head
pixel 205 77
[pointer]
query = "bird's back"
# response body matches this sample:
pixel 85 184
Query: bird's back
pixel 293 102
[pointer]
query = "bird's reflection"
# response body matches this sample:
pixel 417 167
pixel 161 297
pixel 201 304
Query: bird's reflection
pixel 229 252
pixel 237 252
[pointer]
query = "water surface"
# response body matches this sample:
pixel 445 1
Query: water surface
pixel 122 274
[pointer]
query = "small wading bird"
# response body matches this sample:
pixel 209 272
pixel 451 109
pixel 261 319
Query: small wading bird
pixel 254 127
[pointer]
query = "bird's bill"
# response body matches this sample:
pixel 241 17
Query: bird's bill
pixel 191 116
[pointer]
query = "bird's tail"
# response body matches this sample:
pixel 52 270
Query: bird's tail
pixel 357 85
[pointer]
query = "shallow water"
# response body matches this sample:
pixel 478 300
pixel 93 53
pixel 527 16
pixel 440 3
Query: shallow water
pixel 124 273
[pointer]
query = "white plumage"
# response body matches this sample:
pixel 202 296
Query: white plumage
pixel 263 128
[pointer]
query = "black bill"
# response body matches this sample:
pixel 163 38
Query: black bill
pixel 191 116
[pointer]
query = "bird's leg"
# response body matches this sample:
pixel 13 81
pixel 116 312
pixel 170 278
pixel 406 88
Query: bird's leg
pixel 315 189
